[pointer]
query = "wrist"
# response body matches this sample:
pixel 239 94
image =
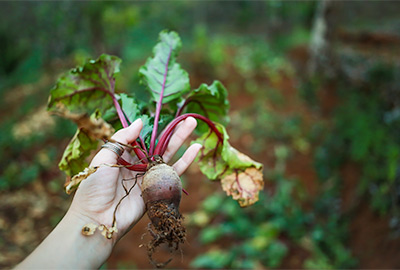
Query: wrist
pixel 67 248
pixel 96 245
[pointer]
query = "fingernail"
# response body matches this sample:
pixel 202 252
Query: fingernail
pixel 136 122
pixel 198 145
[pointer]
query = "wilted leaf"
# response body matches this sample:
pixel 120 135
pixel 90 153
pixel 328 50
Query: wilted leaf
pixel 210 159
pixel 244 186
pixel 220 161
pixel 108 232
pixel 73 184
pixel 87 88
pixel 94 126
pixel 161 73
pixel 73 159
pixel 89 229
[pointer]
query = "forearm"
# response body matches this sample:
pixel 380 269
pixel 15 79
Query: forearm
pixel 66 247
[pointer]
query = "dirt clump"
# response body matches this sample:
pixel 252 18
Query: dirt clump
pixel 166 228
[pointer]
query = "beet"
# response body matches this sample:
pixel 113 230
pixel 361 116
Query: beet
pixel 168 84
pixel 162 191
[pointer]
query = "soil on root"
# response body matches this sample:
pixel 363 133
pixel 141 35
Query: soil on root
pixel 166 227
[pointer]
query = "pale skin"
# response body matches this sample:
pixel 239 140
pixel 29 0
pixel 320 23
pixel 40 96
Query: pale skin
pixel 95 201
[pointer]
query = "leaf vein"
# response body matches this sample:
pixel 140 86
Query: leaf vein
pixel 156 69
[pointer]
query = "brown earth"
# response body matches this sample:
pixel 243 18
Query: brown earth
pixel 31 216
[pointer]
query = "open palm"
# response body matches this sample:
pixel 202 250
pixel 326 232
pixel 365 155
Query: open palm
pixel 97 196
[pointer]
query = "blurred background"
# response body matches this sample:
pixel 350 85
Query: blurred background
pixel 314 89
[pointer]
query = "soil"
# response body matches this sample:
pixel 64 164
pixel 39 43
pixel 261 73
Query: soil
pixel 370 235
pixel 166 228
pixel 28 214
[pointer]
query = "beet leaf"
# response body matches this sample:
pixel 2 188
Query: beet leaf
pixel 90 90
pixel 240 176
pixel 73 160
pixel 210 101
pixel 163 77
pixel 130 108
pixel 90 130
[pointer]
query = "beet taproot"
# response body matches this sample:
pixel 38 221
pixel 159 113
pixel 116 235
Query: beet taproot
pixel 162 192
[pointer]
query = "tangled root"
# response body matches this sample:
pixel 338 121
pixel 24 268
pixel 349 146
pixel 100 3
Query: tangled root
pixel 165 227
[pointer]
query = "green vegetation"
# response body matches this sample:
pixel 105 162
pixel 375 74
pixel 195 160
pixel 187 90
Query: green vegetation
pixel 364 132
pixel 329 141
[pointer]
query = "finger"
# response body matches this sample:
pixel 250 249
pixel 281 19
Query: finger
pixel 188 157
pixel 126 136
pixel 180 135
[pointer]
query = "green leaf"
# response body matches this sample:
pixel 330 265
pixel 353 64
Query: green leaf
pixel 219 159
pixel 111 115
pixel 145 133
pixel 130 107
pixel 240 176
pixel 132 110
pixel 210 101
pixel 87 88
pixel 161 74
pixel 210 159
pixel 148 123
pixel 78 149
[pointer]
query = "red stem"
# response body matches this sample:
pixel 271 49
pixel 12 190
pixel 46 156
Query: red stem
pixel 171 126
pixel 158 107
pixel 143 144
pixel 164 148
pixel 122 118
pixel 187 101
pixel 180 109
pixel 125 124
pixel 132 167
pixel 120 113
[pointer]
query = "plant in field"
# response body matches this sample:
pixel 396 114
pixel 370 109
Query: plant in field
pixel 87 95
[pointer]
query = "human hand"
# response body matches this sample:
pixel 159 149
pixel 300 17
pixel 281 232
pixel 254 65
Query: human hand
pixel 95 201
pixel 98 195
